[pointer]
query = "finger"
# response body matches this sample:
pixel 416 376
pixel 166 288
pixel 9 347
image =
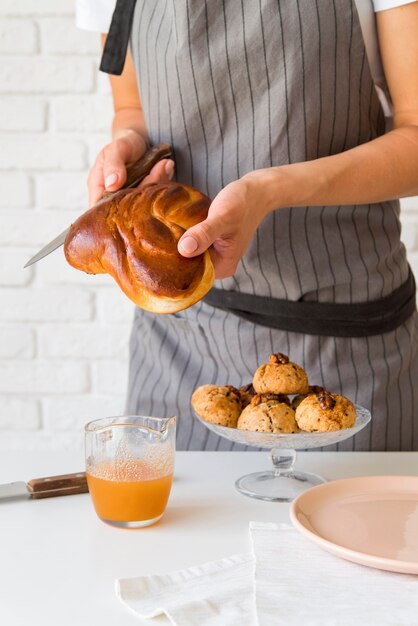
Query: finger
pixel 115 156
pixel 95 183
pixel 107 174
pixel 198 238
pixel 162 172
pixel 114 168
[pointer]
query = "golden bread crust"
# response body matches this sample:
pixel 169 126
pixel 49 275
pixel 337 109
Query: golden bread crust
pixel 133 235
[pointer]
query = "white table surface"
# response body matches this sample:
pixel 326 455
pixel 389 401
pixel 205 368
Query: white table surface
pixel 58 561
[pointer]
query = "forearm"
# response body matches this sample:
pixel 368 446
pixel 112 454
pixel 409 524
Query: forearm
pixel 127 120
pixel 382 169
pixel 129 115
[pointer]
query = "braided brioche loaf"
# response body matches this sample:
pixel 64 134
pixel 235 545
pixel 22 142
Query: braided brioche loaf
pixel 133 234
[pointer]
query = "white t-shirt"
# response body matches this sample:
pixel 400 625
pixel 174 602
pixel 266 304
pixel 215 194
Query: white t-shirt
pixel 96 15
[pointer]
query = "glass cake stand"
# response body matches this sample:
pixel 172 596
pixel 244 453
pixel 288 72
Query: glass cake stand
pixel 283 483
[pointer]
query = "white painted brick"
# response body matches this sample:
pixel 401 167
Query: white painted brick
pixel 11 269
pixel 87 113
pixel 114 306
pixel 62 190
pixel 18 36
pixel 110 377
pixel 21 227
pixel 84 342
pixel 19 414
pixel 42 441
pixel 75 412
pixel 47 75
pixel 410 231
pixel 56 271
pixel 41 152
pixel 36 7
pixel 22 114
pixel 46 305
pixel 16 342
pixel 61 36
pixel 55 116
pixel 56 377
pixel 16 190
pixel 410 204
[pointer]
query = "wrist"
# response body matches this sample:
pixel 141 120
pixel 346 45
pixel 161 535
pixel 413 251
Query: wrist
pixel 129 124
pixel 293 185
pixel 130 134
pixel 268 188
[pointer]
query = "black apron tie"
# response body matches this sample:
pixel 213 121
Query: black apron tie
pixel 114 52
pixel 360 319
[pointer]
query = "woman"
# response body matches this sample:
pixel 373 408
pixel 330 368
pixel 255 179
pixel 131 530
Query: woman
pixel 273 111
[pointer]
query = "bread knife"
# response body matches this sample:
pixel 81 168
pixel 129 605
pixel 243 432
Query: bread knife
pixel 48 487
pixel 135 173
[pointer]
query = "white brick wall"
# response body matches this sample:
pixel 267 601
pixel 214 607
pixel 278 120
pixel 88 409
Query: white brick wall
pixel 63 335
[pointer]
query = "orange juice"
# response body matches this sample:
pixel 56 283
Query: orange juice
pixel 132 495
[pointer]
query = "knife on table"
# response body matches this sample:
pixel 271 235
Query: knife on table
pixel 48 487
pixel 135 173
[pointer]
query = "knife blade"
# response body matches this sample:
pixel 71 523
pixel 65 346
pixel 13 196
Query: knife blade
pixel 48 487
pixel 135 174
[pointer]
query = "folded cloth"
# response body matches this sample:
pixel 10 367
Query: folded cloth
pixel 219 593
pixel 297 583
pixel 285 581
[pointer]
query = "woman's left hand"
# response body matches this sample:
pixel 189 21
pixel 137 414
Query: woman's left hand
pixel 233 217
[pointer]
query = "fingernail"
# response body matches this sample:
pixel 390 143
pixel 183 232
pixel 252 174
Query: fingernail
pixel 189 244
pixel 169 168
pixel 111 179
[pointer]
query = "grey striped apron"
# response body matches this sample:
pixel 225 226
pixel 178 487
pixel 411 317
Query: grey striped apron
pixel 235 86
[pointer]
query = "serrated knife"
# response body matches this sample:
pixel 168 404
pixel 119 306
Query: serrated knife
pixel 48 487
pixel 135 173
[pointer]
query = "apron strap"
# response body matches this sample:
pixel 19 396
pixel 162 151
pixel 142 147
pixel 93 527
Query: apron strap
pixel 114 52
pixel 360 319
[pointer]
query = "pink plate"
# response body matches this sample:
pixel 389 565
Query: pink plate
pixel 371 520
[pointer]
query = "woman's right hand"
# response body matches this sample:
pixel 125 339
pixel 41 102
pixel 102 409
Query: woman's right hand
pixel 109 170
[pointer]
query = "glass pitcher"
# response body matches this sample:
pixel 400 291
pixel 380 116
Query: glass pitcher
pixel 129 468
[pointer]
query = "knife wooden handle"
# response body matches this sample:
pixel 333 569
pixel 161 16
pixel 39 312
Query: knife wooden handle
pixel 63 491
pixel 63 482
pixel 136 171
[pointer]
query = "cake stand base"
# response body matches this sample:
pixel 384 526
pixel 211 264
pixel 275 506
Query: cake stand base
pixel 274 486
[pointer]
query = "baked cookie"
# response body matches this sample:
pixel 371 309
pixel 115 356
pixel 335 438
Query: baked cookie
pixel 280 375
pixel 247 393
pixel 298 399
pixel 218 405
pixel 325 411
pixel 265 415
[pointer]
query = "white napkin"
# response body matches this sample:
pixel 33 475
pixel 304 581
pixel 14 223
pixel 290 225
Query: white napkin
pixel 286 581
pixel 218 593
pixel 297 583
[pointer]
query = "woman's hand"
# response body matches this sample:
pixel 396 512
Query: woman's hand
pixel 232 220
pixel 109 170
